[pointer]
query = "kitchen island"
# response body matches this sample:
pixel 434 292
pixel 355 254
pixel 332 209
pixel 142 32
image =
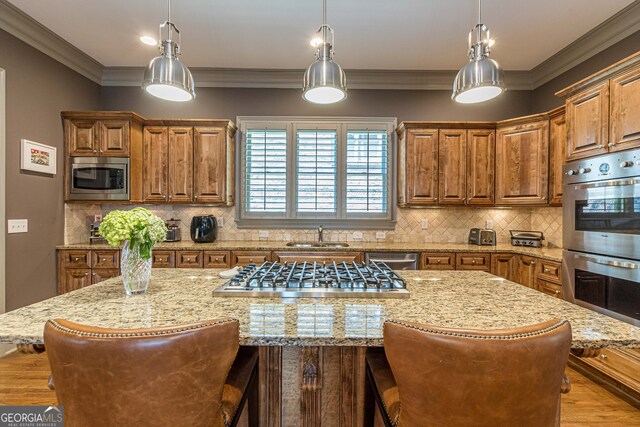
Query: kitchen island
pixel 321 339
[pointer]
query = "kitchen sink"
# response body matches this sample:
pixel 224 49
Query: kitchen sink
pixel 317 245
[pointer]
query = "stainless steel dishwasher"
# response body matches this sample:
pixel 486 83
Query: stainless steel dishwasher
pixel 395 260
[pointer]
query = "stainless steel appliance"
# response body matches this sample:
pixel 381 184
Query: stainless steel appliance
pixel 312 279
pixel 531 239
pixel 173 231
pixel 94 234
pixel 601 212
pixel 396 261
pixel 601 223
pixel 204 229
pixel 484 237
pixel 99 178
pixel 602 283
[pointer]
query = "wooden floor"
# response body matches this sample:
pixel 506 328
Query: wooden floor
pixel 23 381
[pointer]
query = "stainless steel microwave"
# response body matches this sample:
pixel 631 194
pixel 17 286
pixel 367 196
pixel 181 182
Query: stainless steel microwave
pixel 99 178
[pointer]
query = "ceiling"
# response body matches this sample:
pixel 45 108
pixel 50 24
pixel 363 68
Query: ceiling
pixel 370 34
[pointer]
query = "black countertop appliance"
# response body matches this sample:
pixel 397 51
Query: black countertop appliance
pixel 204 229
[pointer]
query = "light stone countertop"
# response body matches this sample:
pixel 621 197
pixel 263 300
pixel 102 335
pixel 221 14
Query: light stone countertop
pixel 465 299
pixel 553 254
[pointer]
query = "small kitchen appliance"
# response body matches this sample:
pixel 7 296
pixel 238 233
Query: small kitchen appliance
pixel 204 229
pixel 531 239
pixel 173 230
pixel 94 234
pixel 482 237
pixel 98 178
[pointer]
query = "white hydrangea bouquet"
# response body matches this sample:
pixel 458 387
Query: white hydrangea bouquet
pixel 139 229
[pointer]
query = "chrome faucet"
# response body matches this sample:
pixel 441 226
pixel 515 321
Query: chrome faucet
pixel 320 231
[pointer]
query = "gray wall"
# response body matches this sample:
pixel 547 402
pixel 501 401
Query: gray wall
pixel 544 99
pixel 38 88
pixel 227 103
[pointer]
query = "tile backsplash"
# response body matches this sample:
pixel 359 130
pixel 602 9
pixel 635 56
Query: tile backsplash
pixel 444 225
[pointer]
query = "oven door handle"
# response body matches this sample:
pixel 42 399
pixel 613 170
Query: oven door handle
pixel 620 264
pixel 617 183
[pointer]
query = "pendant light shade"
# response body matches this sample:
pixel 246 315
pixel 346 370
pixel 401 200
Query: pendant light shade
pixel 166 77
pixel 482 78
pixel 324 81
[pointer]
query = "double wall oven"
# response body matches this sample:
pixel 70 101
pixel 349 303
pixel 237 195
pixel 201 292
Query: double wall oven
pixel 601 222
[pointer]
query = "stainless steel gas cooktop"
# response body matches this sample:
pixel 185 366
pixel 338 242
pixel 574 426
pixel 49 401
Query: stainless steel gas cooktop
pixel 313 279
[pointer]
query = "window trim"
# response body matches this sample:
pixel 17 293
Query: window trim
pixel 292 219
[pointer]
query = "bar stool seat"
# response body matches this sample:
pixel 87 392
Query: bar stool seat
pixel 191 375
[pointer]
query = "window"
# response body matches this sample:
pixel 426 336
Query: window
pixel 300 173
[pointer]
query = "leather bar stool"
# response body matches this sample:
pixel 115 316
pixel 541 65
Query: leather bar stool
pixel 187 375
pixel 434 376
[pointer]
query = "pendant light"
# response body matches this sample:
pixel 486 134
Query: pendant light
pixel 324 81
pixel 482 78
pixel 166 77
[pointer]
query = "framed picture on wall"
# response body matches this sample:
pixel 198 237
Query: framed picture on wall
pixel 37 157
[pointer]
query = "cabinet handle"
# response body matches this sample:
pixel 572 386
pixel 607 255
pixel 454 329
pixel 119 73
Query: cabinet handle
pixel 532 263
pixel 86 274
pixel 93 274
pixel 195 197
pixel 603 356
pixel 556 292
pixel 546 270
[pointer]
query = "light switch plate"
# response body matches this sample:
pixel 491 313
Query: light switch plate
pixel 220 221
pixel 424 224
pixel 488 224
pixel 357 235
pixel 263 233
pixel 381 235
pixel 17 226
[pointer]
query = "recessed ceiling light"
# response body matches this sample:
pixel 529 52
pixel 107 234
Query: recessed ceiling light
pixel 148 40
pixel 315 42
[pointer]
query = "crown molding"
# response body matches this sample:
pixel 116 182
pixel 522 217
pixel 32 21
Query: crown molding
pixel 22 26
pixel 292 79
pixel 608 33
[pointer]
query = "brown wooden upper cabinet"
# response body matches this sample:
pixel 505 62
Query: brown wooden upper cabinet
pixel 522 161
pixel 558 153
pixel 99 133
pixel 186 164
pixel 452 165
pixel 481 148
pixel 418 167
pixel 603 110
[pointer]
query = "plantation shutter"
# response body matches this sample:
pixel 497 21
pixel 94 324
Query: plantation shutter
pixel 367 171
pixel 266 169
pixel 316 170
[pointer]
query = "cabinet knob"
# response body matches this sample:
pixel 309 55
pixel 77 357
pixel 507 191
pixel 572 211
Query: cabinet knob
pixel 473 261
pixel 76 259
pixel 603 356
pixel 611 144
pixel 546 270
pixel 532 263
pixel 93 274
pixel 170 197
pixel 86 274
pixel 104 260
pixel 195 197
pixel 250 259
pixel 438 261
pixel 556 292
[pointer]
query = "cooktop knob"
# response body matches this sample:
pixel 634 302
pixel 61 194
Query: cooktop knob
pixel 572 172
pixel 626 164
pixel 584 170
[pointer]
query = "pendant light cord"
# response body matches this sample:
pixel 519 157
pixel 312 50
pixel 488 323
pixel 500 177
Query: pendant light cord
pixel 324 21
pixel 479 11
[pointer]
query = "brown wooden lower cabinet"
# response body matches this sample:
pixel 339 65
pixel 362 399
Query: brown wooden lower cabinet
pixel 549 288
pixel 216 259
pixel 105 258
pixel 437 261
pixel 321 257
pixel 78 268
pixel 189 259
pixel 244 258
pixel 100 274
pixel 527 271
pixel 549 270
pixel 473 261
pixel 505 266
pixel 163 259
pixel 73 278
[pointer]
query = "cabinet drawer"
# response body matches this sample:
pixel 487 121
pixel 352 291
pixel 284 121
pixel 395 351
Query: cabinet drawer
pixel 100 274
pixel 437 261
pixel 320 257
pixel 549 270
pixel 188 259
pixel 105 259
pixel 163 259
pixel 620 364
pixel 76 259
pixel 549 288
pixel 216 259
pixel 471 261
pixel 244 258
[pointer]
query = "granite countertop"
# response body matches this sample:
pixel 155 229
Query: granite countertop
pixel 553 254
pixel 465 299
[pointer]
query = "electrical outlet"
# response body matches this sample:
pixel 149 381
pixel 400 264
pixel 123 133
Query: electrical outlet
pixel 17 226
pixel 263 234
pixel 97 218
pixel 220 221
pixel 381 235
pixel 424 224
pixel 357 235
pixel 488 224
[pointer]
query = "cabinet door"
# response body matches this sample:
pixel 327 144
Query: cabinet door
pixel 154 164
pixel 473 261
pixel 210 166
pixel 114 138
pixel 163 259
pixel 422 167
pixel 558 154
pixel 481 155
pixel 522 164
pixel 527 271
pixel 588 122
pixel 188 259
pixel 452 166
pixel 82 137
pixel 505 265
pixel 101 274
pixel 180 186
pixel 244 258
pixel 625 111
pixel 73 278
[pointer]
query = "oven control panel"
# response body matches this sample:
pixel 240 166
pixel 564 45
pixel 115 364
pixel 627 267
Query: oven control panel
pixel 625 164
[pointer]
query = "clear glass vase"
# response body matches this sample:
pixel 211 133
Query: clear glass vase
pixel 136 271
